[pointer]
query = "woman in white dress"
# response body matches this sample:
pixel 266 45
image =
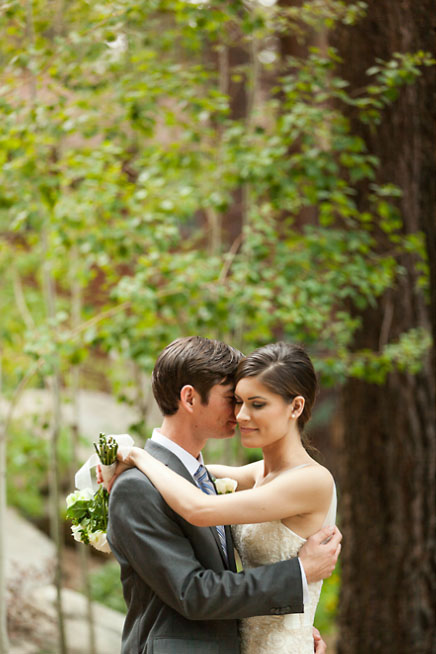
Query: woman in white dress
pixel 281 500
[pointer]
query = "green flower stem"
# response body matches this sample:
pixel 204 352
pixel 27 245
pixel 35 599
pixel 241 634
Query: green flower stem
pixel 107 449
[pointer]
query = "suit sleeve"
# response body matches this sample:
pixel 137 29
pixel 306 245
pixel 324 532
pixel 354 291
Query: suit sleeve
pixel 146 532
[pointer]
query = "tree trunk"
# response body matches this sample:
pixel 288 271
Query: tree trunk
pixel 83 552
pixel 388 481
pixel 4 642
pixel 55 519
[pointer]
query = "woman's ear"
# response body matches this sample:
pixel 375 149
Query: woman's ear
pixel 187 396
pixel 297 406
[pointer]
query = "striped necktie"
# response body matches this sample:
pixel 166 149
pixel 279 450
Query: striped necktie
pixel 203 480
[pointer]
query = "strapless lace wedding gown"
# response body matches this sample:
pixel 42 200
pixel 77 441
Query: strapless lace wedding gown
pixel 269 542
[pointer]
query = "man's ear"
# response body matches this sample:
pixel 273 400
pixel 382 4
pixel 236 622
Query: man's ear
pixel 187 397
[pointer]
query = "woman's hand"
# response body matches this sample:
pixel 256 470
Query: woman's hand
pixel 129 459
pixel 121 467
pixel 123 464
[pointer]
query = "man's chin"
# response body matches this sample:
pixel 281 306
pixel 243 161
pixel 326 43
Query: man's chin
pixel 229 433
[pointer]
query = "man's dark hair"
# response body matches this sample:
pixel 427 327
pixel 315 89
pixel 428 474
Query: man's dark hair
pixel 194 360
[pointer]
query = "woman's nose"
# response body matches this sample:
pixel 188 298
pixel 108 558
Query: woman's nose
pixel 242 415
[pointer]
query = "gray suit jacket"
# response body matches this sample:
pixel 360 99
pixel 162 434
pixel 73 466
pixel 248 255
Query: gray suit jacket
pixel 181 595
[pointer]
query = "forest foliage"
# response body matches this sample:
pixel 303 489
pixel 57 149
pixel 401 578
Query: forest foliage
pixel 120 160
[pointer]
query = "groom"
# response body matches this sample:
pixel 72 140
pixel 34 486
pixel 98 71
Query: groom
pixel 180 583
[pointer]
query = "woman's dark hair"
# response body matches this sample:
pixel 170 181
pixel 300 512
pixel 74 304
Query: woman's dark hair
pixel 285 369
pixel 194 360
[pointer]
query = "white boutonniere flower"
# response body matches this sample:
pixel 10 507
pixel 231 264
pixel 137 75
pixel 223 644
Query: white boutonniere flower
pixel 225 485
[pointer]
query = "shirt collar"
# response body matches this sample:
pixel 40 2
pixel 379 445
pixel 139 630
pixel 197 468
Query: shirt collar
pixel 190 462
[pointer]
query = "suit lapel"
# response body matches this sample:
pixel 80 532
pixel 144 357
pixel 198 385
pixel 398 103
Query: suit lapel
pixel 172 461
pixel 168 458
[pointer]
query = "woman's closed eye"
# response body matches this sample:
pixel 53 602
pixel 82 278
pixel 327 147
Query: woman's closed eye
pixel 255 405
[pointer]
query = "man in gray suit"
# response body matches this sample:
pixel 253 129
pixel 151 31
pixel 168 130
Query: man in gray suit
pixel 180 583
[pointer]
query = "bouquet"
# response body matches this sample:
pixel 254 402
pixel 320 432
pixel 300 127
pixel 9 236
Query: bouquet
pixel 87 511
pixel 87 507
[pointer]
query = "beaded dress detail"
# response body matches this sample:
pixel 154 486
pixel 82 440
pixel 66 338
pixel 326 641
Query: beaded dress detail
pixel 269 542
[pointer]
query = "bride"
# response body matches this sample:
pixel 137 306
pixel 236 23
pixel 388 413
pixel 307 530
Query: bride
pixel 280 500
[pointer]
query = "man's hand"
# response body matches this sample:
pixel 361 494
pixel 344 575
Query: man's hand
pixel 318 644
pixel 320 553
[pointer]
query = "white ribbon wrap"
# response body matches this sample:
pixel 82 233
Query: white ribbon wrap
pixel 84 479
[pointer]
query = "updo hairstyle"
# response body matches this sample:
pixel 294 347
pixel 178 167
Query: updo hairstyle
pixel 285 369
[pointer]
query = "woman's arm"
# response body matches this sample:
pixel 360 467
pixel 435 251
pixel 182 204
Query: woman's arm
pixel 297 492
pixel 245 475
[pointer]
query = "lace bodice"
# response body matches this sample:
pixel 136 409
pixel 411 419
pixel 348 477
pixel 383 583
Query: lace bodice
pixel 269 542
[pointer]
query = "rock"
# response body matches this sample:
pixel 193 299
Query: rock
pixel 97 411
pixel 30 554
pixel 108 623
pixel 37 630
pixel 30 558
pixel 22 648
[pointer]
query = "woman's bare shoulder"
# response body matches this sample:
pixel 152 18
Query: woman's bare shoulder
pixel 313 475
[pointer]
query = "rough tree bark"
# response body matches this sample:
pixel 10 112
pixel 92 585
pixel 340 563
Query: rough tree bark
pixel 388 601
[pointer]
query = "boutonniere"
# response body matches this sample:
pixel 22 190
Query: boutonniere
pixel 225 485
